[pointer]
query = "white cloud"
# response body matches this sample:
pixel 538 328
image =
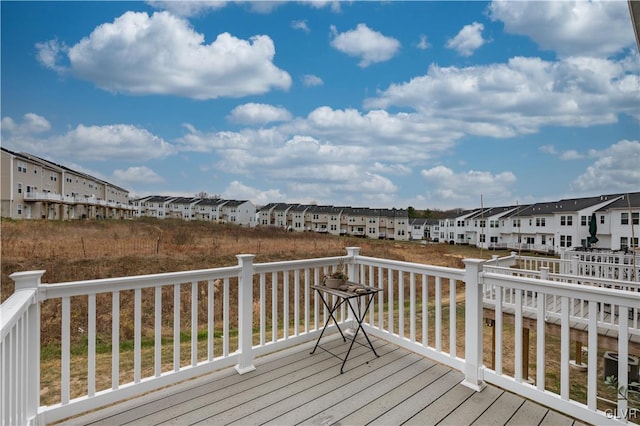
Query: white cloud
pixel 370 46
pixel 136 175
pixel 570 28
pixel 253 113
pixel 466 187
pixel 423 43
pixel 31 124
pixel 162 54
pixel 334 5
pixel 187 8
pixel 571 154
pixel 520 96
pixel 49 53
pixel 239 191
pixel 394 169
pixel 310 80
pixel 468 40
pixel 614 167
pixel 86 143
pixel 301 25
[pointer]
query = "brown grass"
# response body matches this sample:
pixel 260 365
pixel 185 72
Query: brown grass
pixel 80 250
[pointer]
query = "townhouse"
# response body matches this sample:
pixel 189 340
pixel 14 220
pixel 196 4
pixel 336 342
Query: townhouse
pixel 548 227
pixel 195 208
pixel 35 188
pixel 337 220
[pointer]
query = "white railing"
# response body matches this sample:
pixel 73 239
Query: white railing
pixel 251 309
pixel 538 291
pixel 50 196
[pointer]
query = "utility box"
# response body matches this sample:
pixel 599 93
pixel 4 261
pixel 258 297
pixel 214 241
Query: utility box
pixel 611 366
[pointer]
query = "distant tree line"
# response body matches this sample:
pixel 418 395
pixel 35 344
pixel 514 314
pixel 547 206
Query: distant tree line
pixel 431 213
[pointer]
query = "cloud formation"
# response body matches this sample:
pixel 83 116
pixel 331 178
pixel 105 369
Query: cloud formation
pixel 253 113
pixel 569 28
pixel 310 80
pixel 520 96
pixel 466 187
pixel 468 40
pixel 614 167
pixel 370 46
pixel 161 54
pixel 85 143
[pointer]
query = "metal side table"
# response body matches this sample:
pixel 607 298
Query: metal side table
pixel 356 292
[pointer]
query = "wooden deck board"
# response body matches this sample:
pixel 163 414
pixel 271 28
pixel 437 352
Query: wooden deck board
pixel 294 387
pixel 528 413
pixel 501 410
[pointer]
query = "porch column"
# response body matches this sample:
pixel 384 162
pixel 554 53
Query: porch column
pixel 30 280
pixel 245 314
pixel 473 377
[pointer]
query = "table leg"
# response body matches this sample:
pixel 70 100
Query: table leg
pixel 359 320
pixel 331 317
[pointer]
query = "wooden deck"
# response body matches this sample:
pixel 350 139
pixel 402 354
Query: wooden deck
pixel 294 387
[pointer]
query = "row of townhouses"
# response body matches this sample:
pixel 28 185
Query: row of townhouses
pixel 355 221
pixel 549 227
pixel 196 208
pixel 35 188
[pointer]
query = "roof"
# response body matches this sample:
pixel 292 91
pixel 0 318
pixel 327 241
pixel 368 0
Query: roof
pixel 60 167
pixel 211 202
pixel 632 199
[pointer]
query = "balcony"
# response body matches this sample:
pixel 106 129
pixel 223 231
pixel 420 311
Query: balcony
pixel 261 318
pixel 62 199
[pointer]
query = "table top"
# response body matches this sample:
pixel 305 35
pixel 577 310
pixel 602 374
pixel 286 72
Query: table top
pixel 352 290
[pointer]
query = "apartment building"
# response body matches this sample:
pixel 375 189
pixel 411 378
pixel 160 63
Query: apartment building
pixel 35 188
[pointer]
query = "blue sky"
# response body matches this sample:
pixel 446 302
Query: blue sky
pixel 378 104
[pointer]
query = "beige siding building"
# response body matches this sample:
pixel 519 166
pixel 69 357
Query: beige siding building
pixel 34 188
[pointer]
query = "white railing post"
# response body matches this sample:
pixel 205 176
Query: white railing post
pixel 574 265
pixel 353 270
pixel 245 314
pixel 30 280
pixel 353 274
pixel 473 377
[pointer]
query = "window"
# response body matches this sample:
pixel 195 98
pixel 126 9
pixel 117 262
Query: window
pixel 19 188
pixel 624 242
pixel 565 240
pixel 516 223
pixel 483 238
pixel 566 220
pixel 494 240
pixel 19 208
pixel 531 240
pixel 583 221
pixel 540 221
pixel 544 239
pixel 624 218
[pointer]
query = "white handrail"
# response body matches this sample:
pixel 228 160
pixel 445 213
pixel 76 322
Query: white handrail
pixel 413 311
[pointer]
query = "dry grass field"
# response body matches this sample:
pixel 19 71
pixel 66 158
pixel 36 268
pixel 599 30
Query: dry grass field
pixel 79 250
